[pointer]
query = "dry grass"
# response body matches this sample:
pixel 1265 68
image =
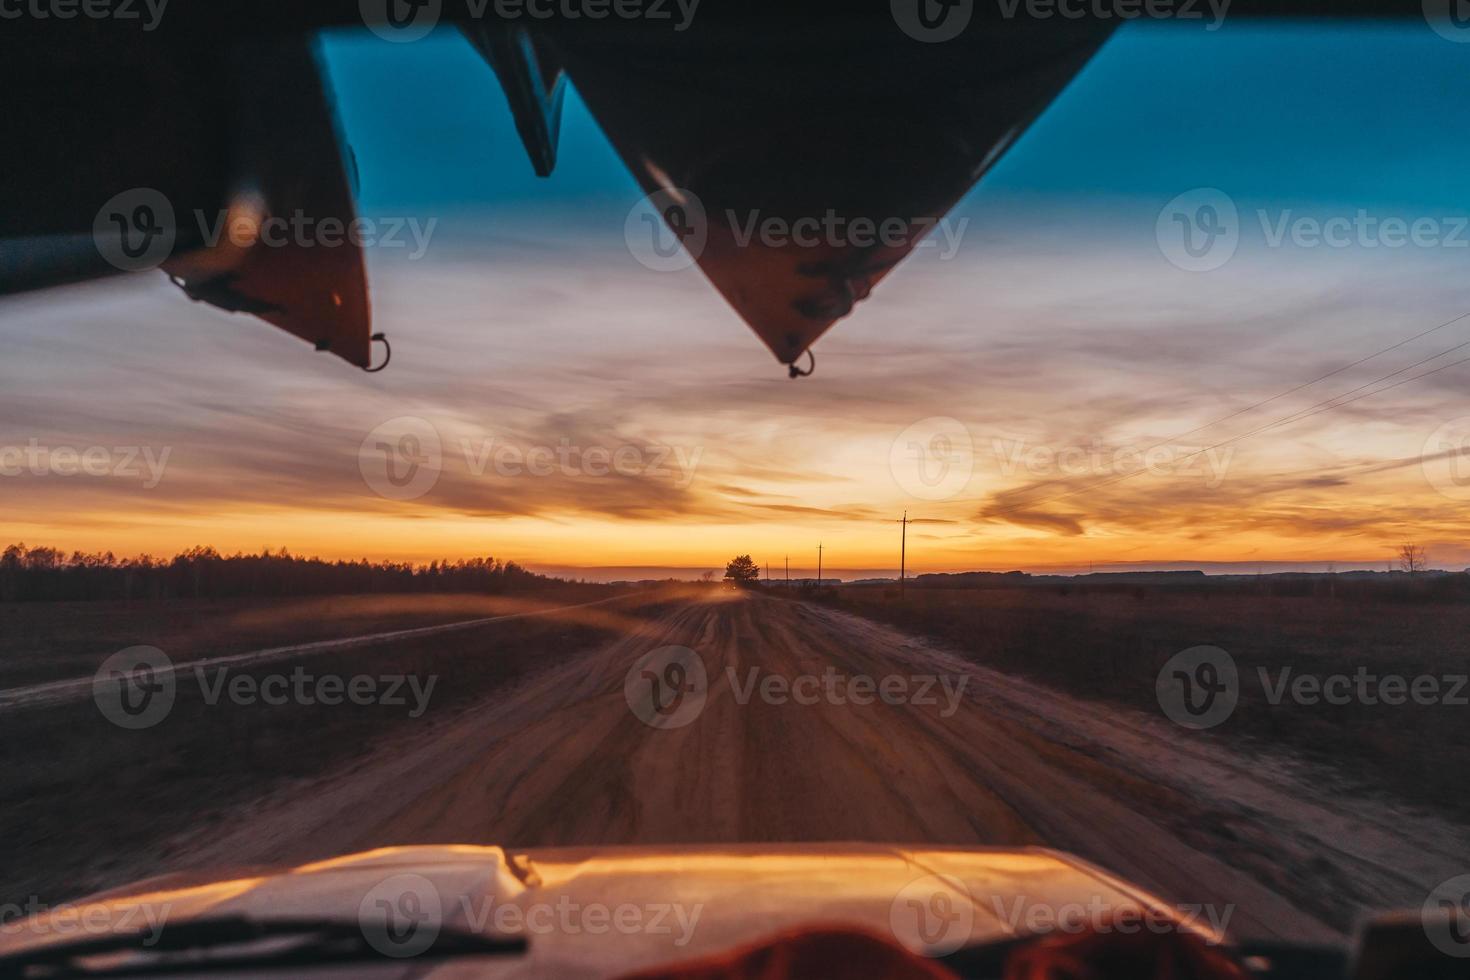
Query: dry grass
pixel 1111 645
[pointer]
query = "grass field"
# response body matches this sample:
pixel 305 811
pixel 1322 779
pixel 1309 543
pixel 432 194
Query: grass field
pixel 1112 644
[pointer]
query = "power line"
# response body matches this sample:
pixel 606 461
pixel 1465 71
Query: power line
pixel 1442 367
pixel 1323 377
pixel 1275 397
pixel 1325 405
pixel 1307 412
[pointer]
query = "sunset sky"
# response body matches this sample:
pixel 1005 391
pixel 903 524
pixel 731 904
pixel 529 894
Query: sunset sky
pixel 1059 324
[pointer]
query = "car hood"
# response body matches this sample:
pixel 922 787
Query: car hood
pixel 593 912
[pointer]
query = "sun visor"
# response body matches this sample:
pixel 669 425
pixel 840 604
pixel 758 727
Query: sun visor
pixel 799 166
pixel 287 247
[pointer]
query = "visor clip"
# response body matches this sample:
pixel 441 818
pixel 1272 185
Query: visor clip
pixel 796 372
pixel 387 353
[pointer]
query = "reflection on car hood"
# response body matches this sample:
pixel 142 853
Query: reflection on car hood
pixel 590 912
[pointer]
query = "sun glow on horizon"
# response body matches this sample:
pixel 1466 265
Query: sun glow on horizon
pixel 1006 398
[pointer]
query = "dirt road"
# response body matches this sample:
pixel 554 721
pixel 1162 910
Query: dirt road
pixel 813 725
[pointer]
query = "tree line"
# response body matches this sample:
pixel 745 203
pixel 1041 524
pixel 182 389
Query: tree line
pixel 48 574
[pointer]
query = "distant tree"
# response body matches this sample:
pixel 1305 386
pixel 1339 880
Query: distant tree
pixel 1412 558
pixel 45 574
pixel 708 576
pixel 742 571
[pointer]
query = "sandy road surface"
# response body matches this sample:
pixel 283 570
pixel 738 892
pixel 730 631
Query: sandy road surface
pixel 564 760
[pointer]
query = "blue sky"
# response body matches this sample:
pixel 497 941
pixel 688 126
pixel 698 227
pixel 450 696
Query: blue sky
pixel 1282 113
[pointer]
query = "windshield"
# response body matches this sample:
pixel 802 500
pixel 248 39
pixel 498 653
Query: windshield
pixel 1123 514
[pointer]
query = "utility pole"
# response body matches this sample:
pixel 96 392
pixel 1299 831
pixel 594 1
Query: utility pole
pixel 768 573
pixel 819 564
pixel 903 544
pixel 788 569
